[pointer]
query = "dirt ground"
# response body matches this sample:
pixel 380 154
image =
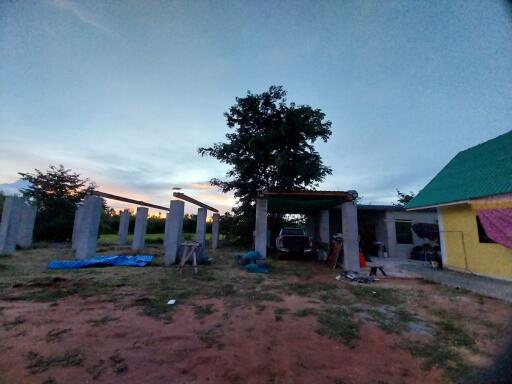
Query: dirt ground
pixel 296 325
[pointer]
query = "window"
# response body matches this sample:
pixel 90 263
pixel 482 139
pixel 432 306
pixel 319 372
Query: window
pixel 482 236
pixel 403 232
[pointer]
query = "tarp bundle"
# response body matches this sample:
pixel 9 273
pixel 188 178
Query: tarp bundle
pixel 102 261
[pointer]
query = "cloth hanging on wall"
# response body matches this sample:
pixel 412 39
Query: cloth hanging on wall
pixel 497 224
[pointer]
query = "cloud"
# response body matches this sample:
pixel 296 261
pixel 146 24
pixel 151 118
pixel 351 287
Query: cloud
pixel 80 13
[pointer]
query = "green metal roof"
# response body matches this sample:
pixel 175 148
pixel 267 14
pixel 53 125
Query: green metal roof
pixel 480 171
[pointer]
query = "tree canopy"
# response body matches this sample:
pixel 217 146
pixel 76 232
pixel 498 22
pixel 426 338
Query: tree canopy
pixel 403 198
pixel 55 193
pixel 271 147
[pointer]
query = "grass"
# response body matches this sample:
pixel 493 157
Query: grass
pixel 102 321
pixel 201 311
pixel 336 306
pixel 151 238
pixel 38 363
pixel 338 324
pixel 375 295
pixel 210 337
pixel 435 355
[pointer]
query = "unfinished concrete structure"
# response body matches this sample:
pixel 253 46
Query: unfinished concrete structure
pixel 139 233
pixel 26 226
pixel 9 225
pixel 173 231
pixel 124 225
pixel 317 206
pixel 201 226
pixel 215 230
pixel 88 227
pixel 79 212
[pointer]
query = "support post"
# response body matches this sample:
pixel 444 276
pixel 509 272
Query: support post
pixel 201 226
pixel 79 213
pixel 260 232
pixel 124 225
pixel 89 227
pixel 139 233
pixel 26 226
pixel 324 235
pixel 350 237
pixel 215 231
pixel 173 229
pixel 9 225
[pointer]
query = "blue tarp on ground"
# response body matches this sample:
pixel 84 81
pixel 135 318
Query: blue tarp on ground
pixel 102 261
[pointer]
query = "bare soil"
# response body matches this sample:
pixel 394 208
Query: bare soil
pixel 229 326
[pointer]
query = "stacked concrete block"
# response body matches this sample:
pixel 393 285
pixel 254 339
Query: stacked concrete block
pixel 215 230
pixel 11 217
pixel 139 233
pixel 124 225
pixel 173 231
pixel 88 227
pixel 26 225
pixel 201 226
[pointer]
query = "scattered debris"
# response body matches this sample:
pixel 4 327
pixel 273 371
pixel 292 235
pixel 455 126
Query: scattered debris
pixel 171 302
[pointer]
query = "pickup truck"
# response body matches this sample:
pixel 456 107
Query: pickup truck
pixel 293 240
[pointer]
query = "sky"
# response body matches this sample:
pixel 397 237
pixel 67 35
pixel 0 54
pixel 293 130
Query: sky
pixel 124 92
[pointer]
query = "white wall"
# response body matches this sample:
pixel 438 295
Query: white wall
pixel 404 250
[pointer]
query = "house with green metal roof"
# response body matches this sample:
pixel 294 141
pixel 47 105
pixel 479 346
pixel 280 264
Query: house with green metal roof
pixel 473 197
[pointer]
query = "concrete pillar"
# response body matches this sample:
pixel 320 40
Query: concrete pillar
pixel 323 224
pixel 173 229
pixel 350 236
pixel 88 227
pixel 260 231
pixel 79 213
pixel 323 234
pixel 9 225
pixel 139 233
pixel 26 226
pixel 124 225
pixel 215 231
pixel 201 226
pixel 442 239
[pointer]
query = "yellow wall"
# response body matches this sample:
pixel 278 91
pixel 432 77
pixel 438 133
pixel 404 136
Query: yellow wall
pixel 461 236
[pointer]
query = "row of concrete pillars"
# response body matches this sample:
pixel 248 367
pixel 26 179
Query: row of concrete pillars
pixel 87 221
pixel 349 224
pixel 17 225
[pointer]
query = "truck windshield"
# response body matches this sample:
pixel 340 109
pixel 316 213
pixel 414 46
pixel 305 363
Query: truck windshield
pixel 292 232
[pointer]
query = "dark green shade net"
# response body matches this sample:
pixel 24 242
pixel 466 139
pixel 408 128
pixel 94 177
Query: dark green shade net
pixel 300 205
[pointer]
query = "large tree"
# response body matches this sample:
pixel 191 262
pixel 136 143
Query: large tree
pixel 272 147
pixel 55 193
pixel 403 198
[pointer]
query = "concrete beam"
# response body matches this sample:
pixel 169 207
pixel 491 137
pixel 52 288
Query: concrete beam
pixel 260 231
pixel 26 226
pixel 215 230
pixel 124 225
pixel 173 230
pixel 89 227
pixel 350 237
pixel 139 233
pixel 11 215
pixel 201 226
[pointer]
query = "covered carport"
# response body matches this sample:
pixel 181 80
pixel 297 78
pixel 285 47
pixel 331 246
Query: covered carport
pixel 316 206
